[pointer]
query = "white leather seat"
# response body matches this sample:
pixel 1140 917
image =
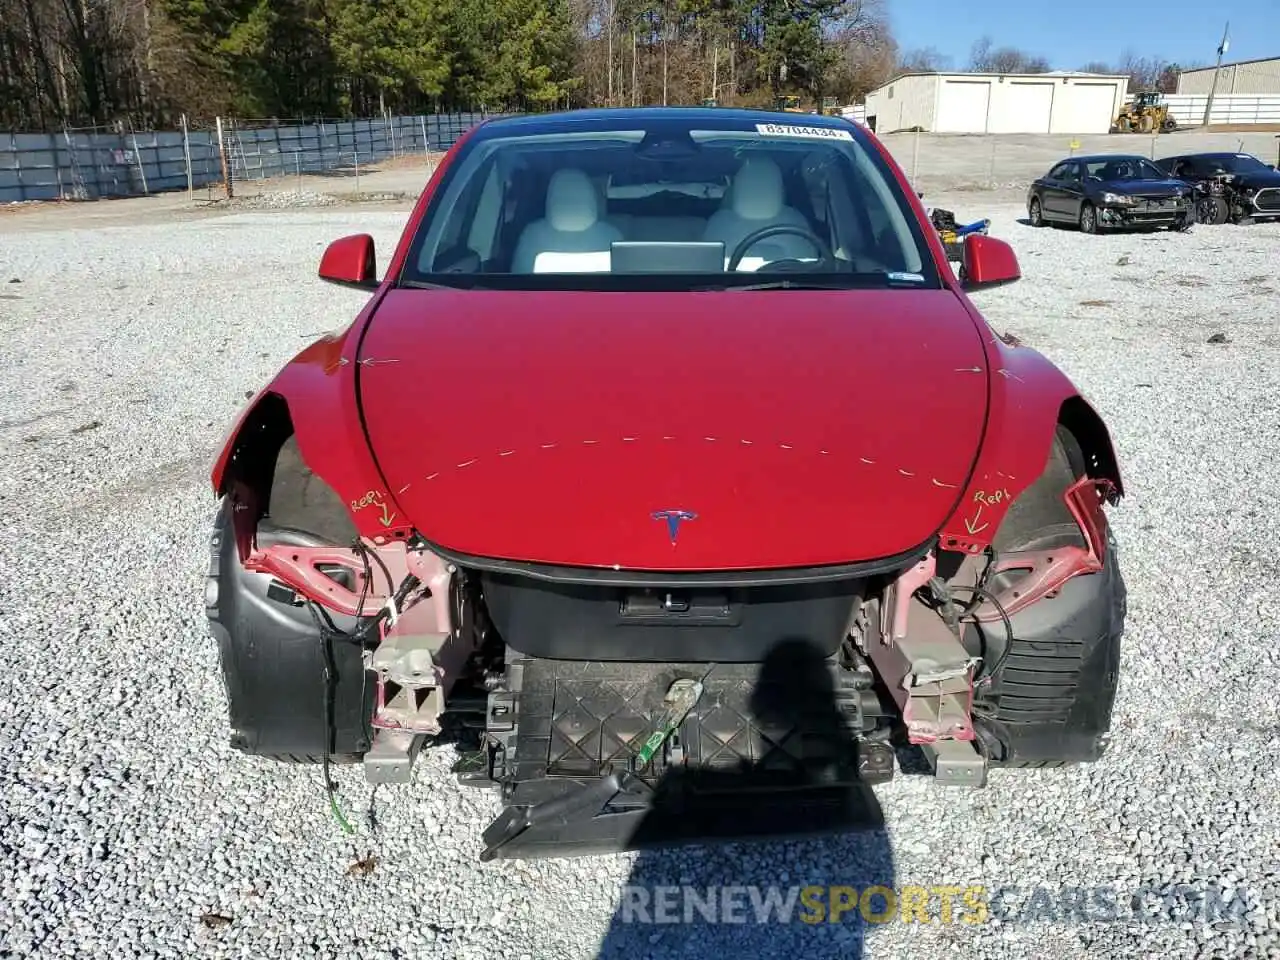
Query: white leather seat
pixel 757 201
pixel 570 238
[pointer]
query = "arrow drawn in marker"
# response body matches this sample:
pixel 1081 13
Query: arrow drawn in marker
pixel 386 518
pixel 972 525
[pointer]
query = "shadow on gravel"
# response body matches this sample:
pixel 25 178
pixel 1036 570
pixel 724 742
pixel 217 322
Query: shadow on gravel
pixel 779 859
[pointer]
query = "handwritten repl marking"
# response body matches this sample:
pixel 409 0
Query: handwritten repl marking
pixel 983 499
pixel 374 499
pixel 992 499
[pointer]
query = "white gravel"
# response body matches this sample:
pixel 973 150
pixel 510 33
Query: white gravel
pixel 284 200
pixel 125 819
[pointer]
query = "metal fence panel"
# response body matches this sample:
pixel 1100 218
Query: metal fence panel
pixel 95 163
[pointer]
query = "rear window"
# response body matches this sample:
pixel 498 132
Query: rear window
pixel 618 204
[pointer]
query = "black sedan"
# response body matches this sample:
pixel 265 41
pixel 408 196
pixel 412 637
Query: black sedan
pixel 1108 192
pixel 1231 186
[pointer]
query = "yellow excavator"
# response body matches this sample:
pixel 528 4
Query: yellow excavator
pixel 788 104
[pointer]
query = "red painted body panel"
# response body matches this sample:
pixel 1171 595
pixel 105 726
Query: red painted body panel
pixel 532 426
pixel 350 260
pixel 318 386
pixel 1027 394
pixel 802 427
pixel 989 261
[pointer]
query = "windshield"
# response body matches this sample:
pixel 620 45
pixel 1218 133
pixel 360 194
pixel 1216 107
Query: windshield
pixel 1124 168
pixel 1234 163
pixel 626 203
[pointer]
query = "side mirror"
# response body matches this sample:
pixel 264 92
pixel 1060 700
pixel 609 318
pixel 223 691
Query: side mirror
pixel 350 262
pixel 988 262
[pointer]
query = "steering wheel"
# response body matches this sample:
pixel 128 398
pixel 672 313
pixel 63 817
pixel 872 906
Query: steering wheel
pixel 751 239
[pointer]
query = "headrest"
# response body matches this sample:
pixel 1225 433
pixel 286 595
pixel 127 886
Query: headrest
pixel 572 204
pixel 757 190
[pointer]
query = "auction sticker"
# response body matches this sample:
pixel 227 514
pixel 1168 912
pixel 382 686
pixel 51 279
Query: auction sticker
pixel 788 130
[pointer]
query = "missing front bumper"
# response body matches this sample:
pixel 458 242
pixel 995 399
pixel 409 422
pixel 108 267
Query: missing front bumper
pixel 771 749
pixel 621 812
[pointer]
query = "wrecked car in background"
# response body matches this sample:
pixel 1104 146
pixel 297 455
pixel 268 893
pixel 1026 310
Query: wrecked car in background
pixel 1110 192
pixel 1234 187
pixel 671 458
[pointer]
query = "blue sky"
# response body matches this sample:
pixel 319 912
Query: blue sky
pixel 1177 30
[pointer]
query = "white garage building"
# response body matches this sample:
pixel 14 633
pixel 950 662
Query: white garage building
pixel 997 103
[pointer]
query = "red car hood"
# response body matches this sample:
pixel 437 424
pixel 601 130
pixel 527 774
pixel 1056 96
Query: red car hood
pixel 797 427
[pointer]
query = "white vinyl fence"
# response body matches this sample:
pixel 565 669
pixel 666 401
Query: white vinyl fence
pixel 1188 108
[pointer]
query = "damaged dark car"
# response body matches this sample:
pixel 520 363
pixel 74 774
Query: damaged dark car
pixel 1110 192
pixel 620 481
pixel 1230 187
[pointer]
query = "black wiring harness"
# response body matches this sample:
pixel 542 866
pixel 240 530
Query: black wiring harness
pixel 939 598
pixel 938 595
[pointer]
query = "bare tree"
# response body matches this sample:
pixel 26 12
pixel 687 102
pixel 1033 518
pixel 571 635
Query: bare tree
pixel 923 60
pixel 866 54
pixel 986 58
pixel 1143 72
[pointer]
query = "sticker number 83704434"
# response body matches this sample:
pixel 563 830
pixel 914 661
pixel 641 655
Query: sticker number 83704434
pixel 790 130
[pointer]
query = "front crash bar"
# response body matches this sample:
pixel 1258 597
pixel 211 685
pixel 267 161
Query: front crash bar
pixel 1048 570
pixel 928 671
pixel 299 569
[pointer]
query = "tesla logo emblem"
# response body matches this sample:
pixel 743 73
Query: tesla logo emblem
pixel 674 518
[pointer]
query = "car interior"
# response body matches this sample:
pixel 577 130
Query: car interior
pixel 610 209
pixel 1123 168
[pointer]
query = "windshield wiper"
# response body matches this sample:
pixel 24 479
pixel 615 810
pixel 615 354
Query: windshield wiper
pixel 465 282
pixel 892 280
pixel 783 285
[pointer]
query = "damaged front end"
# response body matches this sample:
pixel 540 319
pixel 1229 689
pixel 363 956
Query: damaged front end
pixel 572 695
pixel 1124 211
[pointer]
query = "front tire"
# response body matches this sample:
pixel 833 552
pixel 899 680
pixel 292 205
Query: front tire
pixel 1212 210
pixel 271 653
pixel 1050 701
pixel 1089 219
pixel 1036 213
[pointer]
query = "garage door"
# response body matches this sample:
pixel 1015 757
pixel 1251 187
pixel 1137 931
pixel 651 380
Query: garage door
pixel 962 107
pixel 1022 107
pixel 1085 108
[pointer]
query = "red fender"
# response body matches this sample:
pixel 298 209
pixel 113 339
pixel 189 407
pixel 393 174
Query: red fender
pixel 319 388
pixel 1029 398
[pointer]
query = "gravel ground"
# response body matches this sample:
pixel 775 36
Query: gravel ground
pixel 128 828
